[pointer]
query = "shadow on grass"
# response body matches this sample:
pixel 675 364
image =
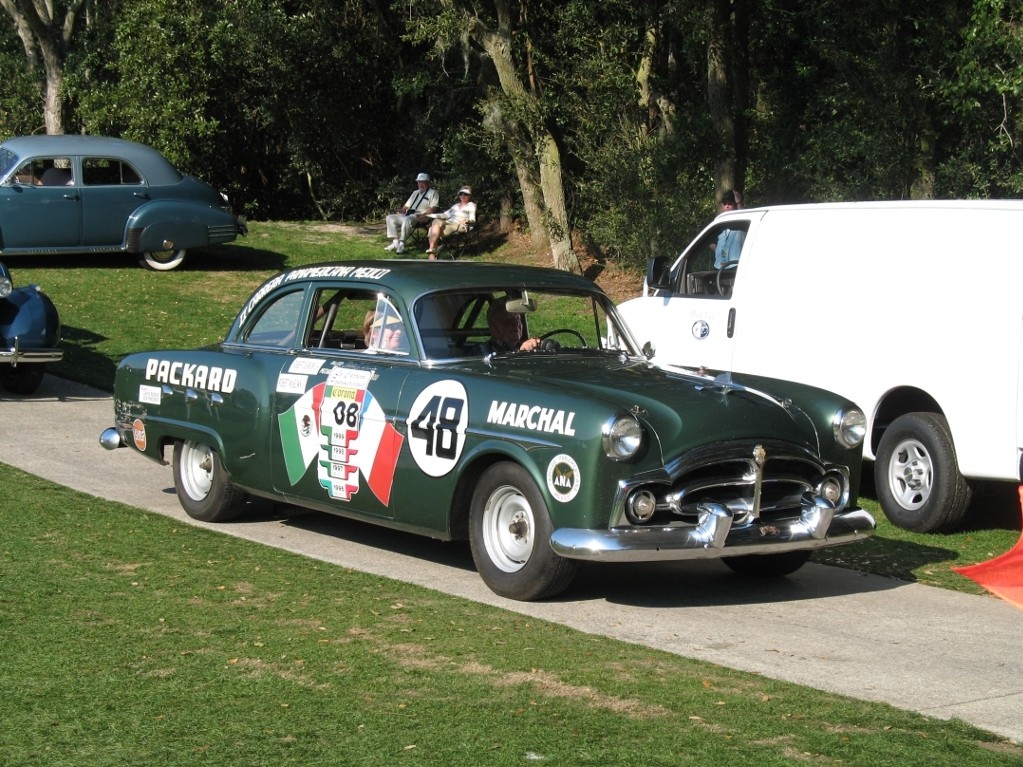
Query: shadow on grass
pixel 82 363
pixel 995 505
pixel 216 258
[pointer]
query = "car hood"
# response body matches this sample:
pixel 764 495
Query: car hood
pixel 682 410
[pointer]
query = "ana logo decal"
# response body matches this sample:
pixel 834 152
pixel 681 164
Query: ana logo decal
pixel 563 478
pixel 436 427
pixel 138 433
pixel 701 330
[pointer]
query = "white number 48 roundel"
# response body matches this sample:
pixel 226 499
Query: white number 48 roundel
pixel 436 427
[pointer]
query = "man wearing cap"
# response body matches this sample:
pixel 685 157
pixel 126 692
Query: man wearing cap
pixel 412 214
pixel 458 218
pixel 729 244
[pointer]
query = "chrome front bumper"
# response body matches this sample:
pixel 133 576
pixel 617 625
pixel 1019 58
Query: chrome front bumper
pixel 818 526
pixel 15 355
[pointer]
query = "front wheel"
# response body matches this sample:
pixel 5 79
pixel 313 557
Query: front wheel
pixel 510 534
pixel 163 260
pixel 768 565
pixel 202 485
pixel 23 379
pixel 917 476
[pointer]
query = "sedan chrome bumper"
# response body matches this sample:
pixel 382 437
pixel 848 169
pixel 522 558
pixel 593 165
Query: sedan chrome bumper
pixel 15 355
pixel 818 526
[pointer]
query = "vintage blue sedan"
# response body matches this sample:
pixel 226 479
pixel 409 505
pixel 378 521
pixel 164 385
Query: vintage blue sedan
pixel 91 194
pixel 29 335
pixel 500 404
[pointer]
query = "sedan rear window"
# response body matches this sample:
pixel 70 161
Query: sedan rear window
pixel 104 171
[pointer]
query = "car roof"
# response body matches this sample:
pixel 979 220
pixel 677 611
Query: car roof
pixel 153 165
pixel 410 277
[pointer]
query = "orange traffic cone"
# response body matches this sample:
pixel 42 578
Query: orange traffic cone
pixel 1003 575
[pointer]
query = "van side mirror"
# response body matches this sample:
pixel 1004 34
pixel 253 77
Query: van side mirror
pixel 658 274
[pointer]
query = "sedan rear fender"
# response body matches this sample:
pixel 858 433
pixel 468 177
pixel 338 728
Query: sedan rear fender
pixel 153 436
pixel 178 225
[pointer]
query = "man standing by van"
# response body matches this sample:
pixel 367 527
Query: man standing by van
pixel 729 244
pixel 412 214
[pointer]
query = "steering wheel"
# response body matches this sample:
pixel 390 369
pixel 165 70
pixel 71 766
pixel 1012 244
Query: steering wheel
pixel 730 266
pixel 552 345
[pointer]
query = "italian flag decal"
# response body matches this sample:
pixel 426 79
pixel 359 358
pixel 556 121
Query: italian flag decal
pixel 341 427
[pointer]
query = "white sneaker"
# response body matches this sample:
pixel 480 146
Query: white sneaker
pixel 400 248
pixel 393 246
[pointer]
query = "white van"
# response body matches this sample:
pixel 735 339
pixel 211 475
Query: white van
pixel 914 310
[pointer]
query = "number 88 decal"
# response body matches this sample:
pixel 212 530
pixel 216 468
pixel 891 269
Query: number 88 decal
pixel 436 427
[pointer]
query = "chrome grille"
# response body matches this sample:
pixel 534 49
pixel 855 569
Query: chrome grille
pixel 764 480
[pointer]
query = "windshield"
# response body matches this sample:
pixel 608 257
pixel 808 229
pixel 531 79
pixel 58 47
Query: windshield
pixel 7 161
pixel 481 322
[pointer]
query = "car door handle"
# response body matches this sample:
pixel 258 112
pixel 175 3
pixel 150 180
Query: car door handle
pixel 143 195
pixel 731 323
pixel 71 196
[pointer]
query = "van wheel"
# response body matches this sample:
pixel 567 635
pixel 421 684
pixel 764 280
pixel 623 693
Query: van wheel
pixel 510 536
pixel 917 476
pixel 201 482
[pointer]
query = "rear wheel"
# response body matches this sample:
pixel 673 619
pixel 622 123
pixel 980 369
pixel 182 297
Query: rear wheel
pixel 768 565
pixel 202 485
pixel 917 477
pixel 163 260
pixel 510 534
pixel 23 379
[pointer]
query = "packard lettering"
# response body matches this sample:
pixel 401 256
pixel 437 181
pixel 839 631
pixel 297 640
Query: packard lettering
pixel 532 417
pixel 210 378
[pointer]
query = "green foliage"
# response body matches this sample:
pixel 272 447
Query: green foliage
pixel 984 99
pixel 318 109
pixel 21 93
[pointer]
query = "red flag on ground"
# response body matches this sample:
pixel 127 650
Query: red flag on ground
pixel 1003 575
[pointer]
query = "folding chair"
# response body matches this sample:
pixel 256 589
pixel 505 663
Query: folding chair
pixel 455 245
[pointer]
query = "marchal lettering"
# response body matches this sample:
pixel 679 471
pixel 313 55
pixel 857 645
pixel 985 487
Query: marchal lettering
pixel 208 377
pixel 532 417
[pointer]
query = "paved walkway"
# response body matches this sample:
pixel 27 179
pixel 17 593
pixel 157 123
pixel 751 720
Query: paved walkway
pixel 941 653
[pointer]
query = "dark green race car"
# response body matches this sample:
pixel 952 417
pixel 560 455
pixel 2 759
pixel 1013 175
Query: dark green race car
pixel 500 404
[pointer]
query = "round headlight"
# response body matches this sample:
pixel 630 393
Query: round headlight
pixel 850 427
pixel 6 287
pixel 623 437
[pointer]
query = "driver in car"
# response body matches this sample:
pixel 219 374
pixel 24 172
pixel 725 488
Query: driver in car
pixel 506 331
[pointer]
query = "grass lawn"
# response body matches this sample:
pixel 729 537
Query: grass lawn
pixel 129 638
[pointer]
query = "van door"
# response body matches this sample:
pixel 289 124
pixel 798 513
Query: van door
pixel 692 317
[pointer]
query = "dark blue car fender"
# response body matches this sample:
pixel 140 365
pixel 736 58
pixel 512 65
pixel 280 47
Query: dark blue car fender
pixel 30 316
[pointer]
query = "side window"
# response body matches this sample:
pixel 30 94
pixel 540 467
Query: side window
pixel 339 318
pixel 385 330
pixel 278 322
pixel 104 171
pixel 711 264
pixel 357 319
pixel 46 171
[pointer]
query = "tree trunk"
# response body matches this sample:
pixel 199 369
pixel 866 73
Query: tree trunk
pixel 46 39
pixel 726 79
pixel 529 131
